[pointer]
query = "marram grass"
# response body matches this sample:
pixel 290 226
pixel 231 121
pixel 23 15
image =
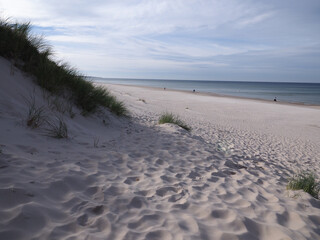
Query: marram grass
pixel 32 55
pixel 57 128
pixel 171 118
pixel 306 181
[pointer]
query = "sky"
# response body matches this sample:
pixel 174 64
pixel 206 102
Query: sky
pixel 229 40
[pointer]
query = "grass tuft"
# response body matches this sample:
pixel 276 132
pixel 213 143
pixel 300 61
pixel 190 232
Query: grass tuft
pixel 171 118
pixel 36 115
pixel 57 129
pixel 306 181
pixel 33 55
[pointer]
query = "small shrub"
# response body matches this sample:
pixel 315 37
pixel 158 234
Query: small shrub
pixel 57 129
pixel 170 118
pixel 306 181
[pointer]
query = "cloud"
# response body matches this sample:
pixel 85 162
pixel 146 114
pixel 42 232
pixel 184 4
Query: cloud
pixel 178 38
pixel 254 20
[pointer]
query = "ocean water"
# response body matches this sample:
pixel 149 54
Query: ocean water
pixel 303 93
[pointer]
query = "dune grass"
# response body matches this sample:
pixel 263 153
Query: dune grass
pixel 35 117
pixel 31 54
pixel 57 128
pixel 36 114
pixel 306 181
pixel 171 118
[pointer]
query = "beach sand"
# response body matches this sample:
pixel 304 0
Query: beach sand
pixel 131 178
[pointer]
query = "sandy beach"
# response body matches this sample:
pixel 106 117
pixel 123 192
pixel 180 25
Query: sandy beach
pixel 131 178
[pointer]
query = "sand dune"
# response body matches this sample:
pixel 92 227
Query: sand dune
pixel 135 179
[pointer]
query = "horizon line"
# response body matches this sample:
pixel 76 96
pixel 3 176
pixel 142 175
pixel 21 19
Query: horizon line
pixel 163 79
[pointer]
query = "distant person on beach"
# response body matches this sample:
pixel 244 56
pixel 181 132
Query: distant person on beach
pixel 164 88
pixel 275 99
pixel 194 90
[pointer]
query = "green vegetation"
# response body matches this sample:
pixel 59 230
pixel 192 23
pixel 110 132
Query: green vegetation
pixel 32 55
pixel 57 129
pixel 36 115
pixel 170 118
pixel 306 181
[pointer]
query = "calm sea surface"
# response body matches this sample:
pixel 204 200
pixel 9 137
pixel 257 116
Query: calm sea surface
pixel 305 93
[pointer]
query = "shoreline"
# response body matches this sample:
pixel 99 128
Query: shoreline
pixel 313 106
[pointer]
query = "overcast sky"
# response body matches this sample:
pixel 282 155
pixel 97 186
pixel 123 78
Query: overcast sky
pixel 247 40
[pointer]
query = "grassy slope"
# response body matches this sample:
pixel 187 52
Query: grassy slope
pixel 32 55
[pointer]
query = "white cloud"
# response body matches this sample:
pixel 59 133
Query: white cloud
pixel 146 35
pixel 255 19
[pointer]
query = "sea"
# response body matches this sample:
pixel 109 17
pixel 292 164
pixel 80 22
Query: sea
pixel 301 93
